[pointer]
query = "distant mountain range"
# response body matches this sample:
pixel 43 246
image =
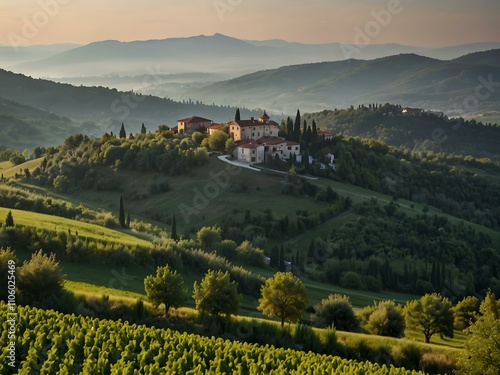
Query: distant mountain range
pixel 407 79
pixel 208 54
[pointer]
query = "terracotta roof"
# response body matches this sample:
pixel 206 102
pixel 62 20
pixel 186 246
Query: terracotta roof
pixel 194 119
pixel 248 143
pixel 216 126
pixel 246 123
pixel 269 140
pixel 321 132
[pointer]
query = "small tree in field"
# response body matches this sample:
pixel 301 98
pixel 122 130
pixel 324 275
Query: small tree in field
pixel 121 214
pixel 40 277
pixel 217 294
pixel 482 349
pixel 465 312
pixel 283 296
pixel 429 315
pixel 208 237
pixel 386 319
pixel 337 311
pixel 9 220
pixel 166 287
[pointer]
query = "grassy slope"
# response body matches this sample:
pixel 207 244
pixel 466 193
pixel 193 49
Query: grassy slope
pixel 50 222
pixel 263 191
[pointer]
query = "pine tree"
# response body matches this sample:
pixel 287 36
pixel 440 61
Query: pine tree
pixel 237 116
pixel 143 129
pixel 123 133
pixel 173 229
pixel 122 213
pixel 9 220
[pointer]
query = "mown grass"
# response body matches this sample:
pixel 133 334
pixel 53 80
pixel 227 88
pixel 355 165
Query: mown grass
pixel 8 170
pixel 51 222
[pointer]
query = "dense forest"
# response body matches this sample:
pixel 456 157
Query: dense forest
pixel 420 132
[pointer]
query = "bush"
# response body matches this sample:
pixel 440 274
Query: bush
pixel 351 280
pixel 40 278
pixel 335 311
pixel 386 319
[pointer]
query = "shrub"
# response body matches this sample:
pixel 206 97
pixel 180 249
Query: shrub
pixel 351 280
pixel 40 277
pixel 335 311
pixel 386 320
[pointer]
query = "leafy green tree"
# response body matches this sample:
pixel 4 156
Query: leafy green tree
pixel 166 287
pixel 230 146
pixel 217 294
pixel 465 312
pixel 40 277
pixel 208 237
pixel 482 349
pixel 217 140
pixel 197 137
pixel 283 296
pixel 123 133
pixel 429 315
pixel 6 255
pixel 9 220
pixel 337 311
pixel 173 229
pixel 386 319
pixel 121 217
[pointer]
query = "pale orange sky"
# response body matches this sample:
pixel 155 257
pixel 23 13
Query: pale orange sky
pixel 418 22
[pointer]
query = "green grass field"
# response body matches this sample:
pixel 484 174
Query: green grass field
pixel 50 222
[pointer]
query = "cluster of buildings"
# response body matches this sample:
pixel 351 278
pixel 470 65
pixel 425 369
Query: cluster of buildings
pixel 256 139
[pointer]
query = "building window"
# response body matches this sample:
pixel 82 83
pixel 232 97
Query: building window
pixel 289 147
pixel 296 148
pixel 258 134
pixel 252 159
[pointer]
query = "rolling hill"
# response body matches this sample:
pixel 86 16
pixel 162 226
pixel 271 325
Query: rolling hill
pixel 409 79
pixel 40 108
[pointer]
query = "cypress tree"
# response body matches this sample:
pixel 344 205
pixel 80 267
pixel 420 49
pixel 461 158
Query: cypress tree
pixel 128 220
pixel 122 213
pixel 275 256
pixel 143 129
pixel 296 128
pixel 173 229
pixel 9 220
pixel 314 139
pixel 289 129
pixel 123 133
pixel 282 267
pixel 237 116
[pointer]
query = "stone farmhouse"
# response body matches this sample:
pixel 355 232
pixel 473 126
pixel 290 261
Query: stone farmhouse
pixel 192 124
pixel 257 139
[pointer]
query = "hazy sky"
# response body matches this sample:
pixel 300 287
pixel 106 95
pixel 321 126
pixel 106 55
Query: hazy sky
pixel 410 22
